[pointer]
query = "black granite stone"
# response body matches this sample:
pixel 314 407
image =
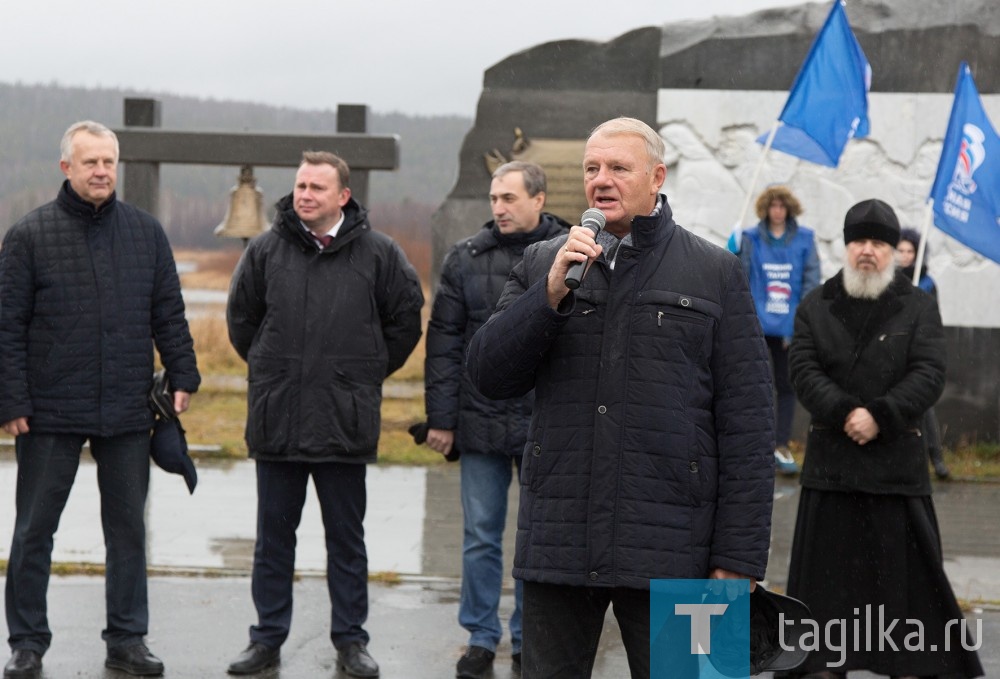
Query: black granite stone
pixel 915 60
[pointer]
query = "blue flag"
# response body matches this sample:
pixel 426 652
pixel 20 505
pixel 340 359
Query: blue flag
pixel 966 191
pixel 828 103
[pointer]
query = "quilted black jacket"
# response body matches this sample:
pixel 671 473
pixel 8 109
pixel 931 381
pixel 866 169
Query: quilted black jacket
pixel 85 294
pixel 886 355
pixel 472 278
pixel 650 452
pixel 320 331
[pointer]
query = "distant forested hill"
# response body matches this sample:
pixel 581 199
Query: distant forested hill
pixel 193 199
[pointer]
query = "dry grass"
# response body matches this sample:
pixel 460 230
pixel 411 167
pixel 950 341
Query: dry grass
pixel 413 369
pixel 217 417
pixel 385 577
pixel 216 355
pixel 980 461
pixel 400 413
pixel 214 267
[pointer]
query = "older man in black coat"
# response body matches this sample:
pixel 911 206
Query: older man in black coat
pixel 88 286
pixel 867 361
pixel 650 451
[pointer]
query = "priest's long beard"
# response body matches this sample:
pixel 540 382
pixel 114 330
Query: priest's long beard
pixel 868 284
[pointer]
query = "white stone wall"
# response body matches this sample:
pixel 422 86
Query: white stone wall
pixel 712 154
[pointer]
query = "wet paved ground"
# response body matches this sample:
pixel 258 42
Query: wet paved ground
pixel 413 528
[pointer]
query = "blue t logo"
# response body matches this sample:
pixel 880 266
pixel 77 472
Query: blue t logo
pixel 699 629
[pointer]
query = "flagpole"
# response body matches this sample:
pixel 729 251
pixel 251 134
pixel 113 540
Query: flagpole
pixel 753 184
pixel 924 228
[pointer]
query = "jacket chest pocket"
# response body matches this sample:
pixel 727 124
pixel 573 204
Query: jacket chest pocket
pixel 589 309
pixel 893 340
pixel 891 350
pixel 677 325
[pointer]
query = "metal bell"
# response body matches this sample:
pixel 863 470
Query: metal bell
pixel 245 216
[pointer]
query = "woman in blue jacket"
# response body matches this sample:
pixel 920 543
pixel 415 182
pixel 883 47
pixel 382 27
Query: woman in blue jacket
pixel 780 260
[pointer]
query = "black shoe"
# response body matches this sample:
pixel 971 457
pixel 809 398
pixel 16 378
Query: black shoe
pixel 475 664
pixel 254 658
pixel 23 664
pixel 515 664
pixel 355 660
pixel 134 659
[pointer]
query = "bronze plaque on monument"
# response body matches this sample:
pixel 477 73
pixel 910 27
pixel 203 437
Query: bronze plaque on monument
pixel 562 160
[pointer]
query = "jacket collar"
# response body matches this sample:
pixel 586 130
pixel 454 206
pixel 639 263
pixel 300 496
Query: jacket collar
pixel 71 201
pixel 649 231
pixel 490 237
pixel 288 225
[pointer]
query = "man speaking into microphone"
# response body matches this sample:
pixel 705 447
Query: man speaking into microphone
pixel 650 450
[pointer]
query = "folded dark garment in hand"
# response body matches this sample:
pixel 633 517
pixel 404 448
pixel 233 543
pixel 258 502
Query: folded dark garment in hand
pixel 419 433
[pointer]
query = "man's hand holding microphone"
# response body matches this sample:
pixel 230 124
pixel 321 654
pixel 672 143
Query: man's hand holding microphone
pixel 574 258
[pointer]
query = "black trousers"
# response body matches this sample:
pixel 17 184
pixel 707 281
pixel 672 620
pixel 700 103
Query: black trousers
pixel 562 627
pixel 46 469
pixel 281 494
pixel 784 394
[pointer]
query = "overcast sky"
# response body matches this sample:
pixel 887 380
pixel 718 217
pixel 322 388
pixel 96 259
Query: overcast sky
pixel 414 57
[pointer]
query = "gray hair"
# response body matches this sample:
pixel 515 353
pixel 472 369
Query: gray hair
pixel 655 148
pixel 94 128
pixel 532 173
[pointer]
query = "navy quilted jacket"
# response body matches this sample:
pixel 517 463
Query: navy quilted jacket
pixel 85 294
pixel 650 453
pixel 472 278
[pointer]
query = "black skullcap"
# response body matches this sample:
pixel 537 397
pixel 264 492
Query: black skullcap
pixel 871 219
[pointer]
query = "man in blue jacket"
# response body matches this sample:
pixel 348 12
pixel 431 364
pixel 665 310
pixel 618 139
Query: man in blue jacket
pixel 322 308
pixel 88 286
pixel 650 451
pixel 490 434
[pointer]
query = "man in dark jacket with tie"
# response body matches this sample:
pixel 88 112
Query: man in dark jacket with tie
pixel 650 451
pixel 88 287
pixel 489 434
pixel 323 309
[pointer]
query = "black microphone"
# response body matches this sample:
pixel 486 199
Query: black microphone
pixel 594 220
